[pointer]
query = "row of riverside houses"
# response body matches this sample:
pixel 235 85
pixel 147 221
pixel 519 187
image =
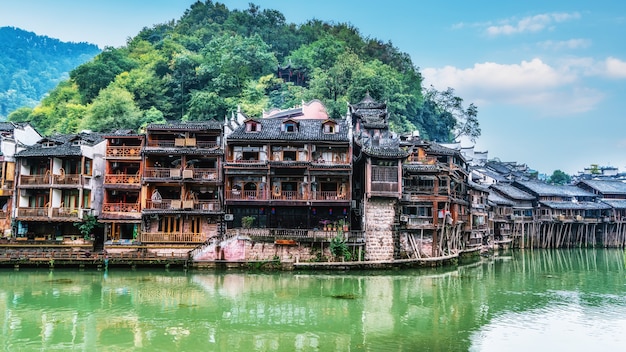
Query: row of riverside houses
pixel 293 185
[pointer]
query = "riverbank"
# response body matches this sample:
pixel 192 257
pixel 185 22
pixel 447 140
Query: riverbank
pixel 50 257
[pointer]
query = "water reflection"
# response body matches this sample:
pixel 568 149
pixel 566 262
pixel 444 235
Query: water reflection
pixel 501 303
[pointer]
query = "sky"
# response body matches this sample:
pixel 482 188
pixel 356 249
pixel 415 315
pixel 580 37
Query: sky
pixel 548 77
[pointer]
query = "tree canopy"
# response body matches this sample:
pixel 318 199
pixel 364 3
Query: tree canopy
pixel 559 178
pixel 31 65
pixel 214 60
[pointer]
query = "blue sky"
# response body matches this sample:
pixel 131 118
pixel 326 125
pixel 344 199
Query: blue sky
pixel 548 77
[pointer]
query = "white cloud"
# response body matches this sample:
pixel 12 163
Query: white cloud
pixel 530 24
pixel 615 68
pixel 530 84
pixel 565 44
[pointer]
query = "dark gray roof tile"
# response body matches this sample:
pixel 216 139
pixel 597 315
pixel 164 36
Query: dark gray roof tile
pixel 307 130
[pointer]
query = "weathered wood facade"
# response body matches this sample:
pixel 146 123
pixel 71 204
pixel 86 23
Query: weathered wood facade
pixel 182 185
pixel 57 185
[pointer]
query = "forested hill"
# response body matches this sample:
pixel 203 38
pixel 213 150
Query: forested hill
pixel 31 65
pixel 213 61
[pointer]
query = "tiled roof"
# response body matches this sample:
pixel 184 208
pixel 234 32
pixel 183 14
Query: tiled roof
pixel 498 200
pixel 63 145
pixel 478 186
pixel 307 130
pixel 615 203
pixel 435 148
pixel 545 190
pixel 606 186
pixel 511 192
pixel 123 133
pixel 576 205
pixel 185 126
pixel 6 126
pixel 385 152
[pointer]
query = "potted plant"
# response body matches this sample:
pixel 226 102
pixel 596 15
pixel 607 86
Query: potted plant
pixel 326 226
pixel 87 225
pixel 339 248
pixel 247 221
pixel 343 224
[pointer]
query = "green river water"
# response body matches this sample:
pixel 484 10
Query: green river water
pixel 539 300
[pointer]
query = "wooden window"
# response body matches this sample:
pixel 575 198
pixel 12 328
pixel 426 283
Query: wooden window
pixel 169 224
pixel 195 224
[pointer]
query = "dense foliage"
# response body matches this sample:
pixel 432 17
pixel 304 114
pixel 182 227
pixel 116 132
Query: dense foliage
pixel 214 60
pixel 31 65
pixel 559 178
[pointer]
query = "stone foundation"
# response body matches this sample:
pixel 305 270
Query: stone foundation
pixel 236 249
pixel 380 215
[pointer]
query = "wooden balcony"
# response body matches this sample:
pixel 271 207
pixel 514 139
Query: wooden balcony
pixel 66 179
pixel 245 195
pixel 209 175
pixel 426 160
pixel 121 208
pixel 6 192
pixel 66 213
pixel 329 196
pixel 122 179
pixel 164 204
pixel 35 180
pixel 247 162
pixel 60 213
pixel 420 222
pixel 162 173
pixel 123 152
pixel 202 206
pixel 288 195
pixel 182 142
pixel 33 212
pixel 171 237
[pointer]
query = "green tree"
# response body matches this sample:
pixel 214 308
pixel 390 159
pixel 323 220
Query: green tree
pixel 559 178
pixel 113 109
pixel 447 106
pixel 96 75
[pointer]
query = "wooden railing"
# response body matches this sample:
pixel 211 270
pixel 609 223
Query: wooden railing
pixel 65 212
pixel 182 142
pixel 121 207
pixel 161 143
pixel 162 172
pixel 176 204
pixel 123 152
pixel 200 174
pixel 122 179
pixel 163 204
pixel 171 237
pixel 34 211
pixel 68 179
pixel 285 195
pixel 244 161
pixel 328 195
pixel 35 179
pixel 288 195
pixel 245 195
